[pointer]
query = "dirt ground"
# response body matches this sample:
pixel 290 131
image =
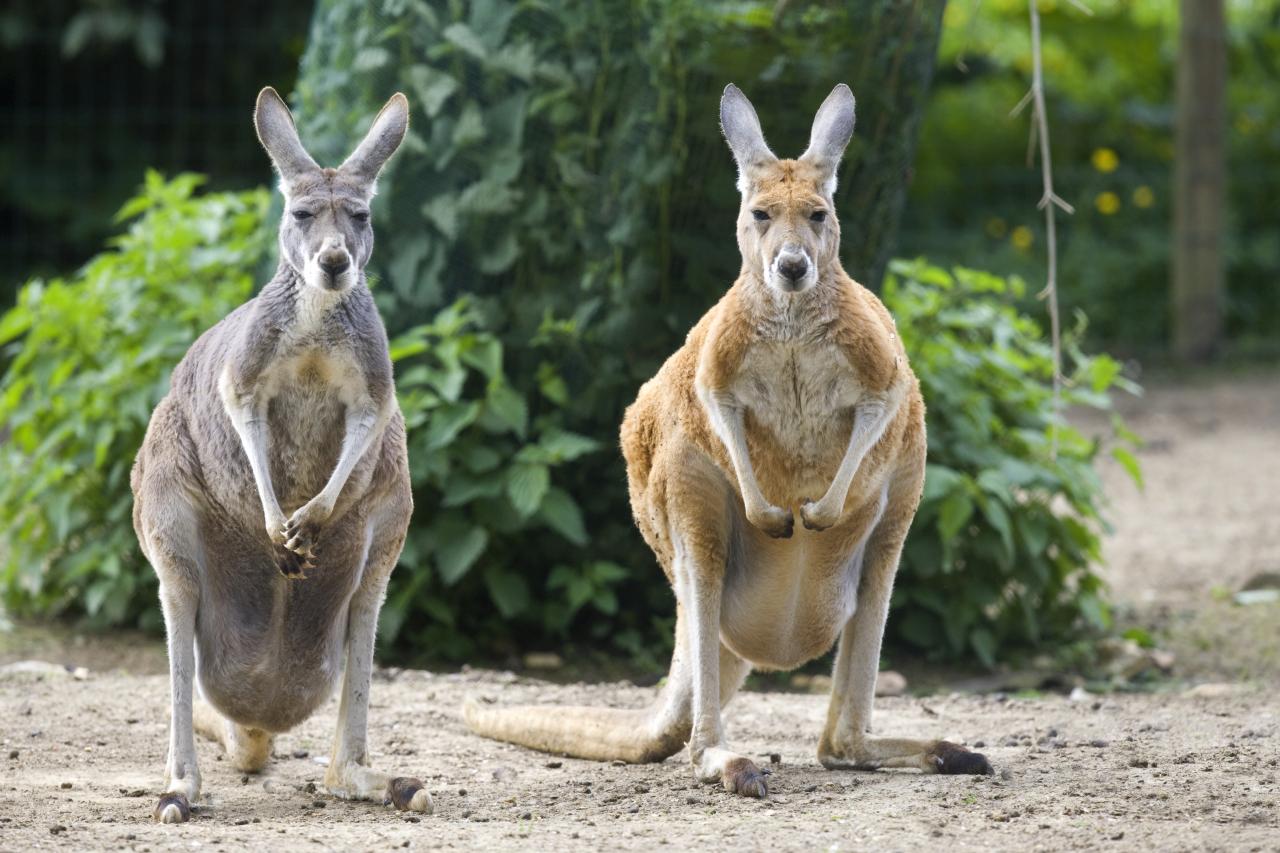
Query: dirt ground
pixel 1189 766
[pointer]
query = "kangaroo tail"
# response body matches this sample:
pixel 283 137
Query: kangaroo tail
pixel 603 734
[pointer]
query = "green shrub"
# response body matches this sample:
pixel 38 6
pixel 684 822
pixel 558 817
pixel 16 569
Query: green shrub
pixel 1002 552
pixel 484 498
pixel 88 357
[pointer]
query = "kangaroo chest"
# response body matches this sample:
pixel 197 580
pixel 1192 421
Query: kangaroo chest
pixel 309 389
pixel 799 400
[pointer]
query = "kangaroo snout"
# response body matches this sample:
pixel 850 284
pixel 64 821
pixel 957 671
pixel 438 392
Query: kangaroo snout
pixel 792 268
pixel 334 262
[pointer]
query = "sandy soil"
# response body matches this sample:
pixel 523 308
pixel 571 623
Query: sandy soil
pixel 1183 768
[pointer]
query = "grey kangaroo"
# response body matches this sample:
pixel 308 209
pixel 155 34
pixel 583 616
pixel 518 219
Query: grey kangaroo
pixel 271 494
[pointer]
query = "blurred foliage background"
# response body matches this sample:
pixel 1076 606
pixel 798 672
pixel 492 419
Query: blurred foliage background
pixel 560 216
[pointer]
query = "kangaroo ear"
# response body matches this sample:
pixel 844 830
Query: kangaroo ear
pixel 279 135
pixel 832 130
pixel 382 140
pixel 742 131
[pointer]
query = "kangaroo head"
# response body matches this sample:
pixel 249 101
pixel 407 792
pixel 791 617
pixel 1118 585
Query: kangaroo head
pixel 325 234
pixel 787 228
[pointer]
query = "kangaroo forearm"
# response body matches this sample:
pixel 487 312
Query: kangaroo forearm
pixel 728 422
pixel 869 421
pixel 363 425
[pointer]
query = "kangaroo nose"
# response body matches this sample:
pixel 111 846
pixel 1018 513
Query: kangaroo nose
pixel 793 267
pixel 334 262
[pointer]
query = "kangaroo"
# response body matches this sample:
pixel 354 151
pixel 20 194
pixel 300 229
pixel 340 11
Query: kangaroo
pixel 280 450
pixel 794 384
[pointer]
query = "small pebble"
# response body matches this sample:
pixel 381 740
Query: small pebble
pixel 1006 774
pixel 555 765
pixel 66 785
pixel 13 755
pixel 319 803
pixel 57 828
pixel 300 753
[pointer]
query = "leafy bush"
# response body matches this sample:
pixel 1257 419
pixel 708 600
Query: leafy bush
pixel 1002 551
pixel 484 497
pixel 89 357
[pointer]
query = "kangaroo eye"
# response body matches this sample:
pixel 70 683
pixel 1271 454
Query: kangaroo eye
pixel 362 216
pixel 818 216
pixel 760 215
pixel 300 215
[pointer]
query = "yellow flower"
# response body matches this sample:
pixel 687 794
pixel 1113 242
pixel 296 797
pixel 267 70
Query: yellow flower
pixel 1143 196
pixel 1105 160
pixel 997 227
pixel 1022 237
pixel 1107 203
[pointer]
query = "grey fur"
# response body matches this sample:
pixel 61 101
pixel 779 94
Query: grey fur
pixel 298 378
pixel 383 139
pixel 832 130
pixel 741 127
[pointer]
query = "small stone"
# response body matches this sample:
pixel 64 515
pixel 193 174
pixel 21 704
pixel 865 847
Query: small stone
pixel 300 753
pixel 319 803
pixel 543 660
pixel 244 780
pixel 891 683
pixel 66 785
pixel 13 755
pixel 527 816
pixel 1079 694
pixel 57 829
pixel 1118 836
pixel 555 765
pixel 775 758
pixel 242 821
pixel 1212 690
pixel 1006 774
pixel 1099 744
pixel 310 788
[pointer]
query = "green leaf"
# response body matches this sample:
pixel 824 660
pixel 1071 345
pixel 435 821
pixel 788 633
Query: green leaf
pixel 956 510
pixel 509 407
pixel 560 512
pixel 458 544
pixel 984 645
pixel 527 484
pixel 1130 463
pixel 508 590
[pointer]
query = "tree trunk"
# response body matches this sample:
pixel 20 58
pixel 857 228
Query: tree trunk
pixel 894 88
pixel 1199 181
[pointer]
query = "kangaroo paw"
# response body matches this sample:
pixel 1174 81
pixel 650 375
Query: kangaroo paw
pixel 173 808
pixel 408 795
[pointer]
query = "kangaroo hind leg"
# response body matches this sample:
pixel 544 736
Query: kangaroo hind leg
pixel 846 742
pixel 247 748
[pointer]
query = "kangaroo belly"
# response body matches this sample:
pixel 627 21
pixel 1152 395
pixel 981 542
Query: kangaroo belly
pixel 269 670
pixel 786 601
pixel 271 649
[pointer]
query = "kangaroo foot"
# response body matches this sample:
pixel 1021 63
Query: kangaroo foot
pixel 173 808
pixel 738 774
pixel 408 794
pixel 356 782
